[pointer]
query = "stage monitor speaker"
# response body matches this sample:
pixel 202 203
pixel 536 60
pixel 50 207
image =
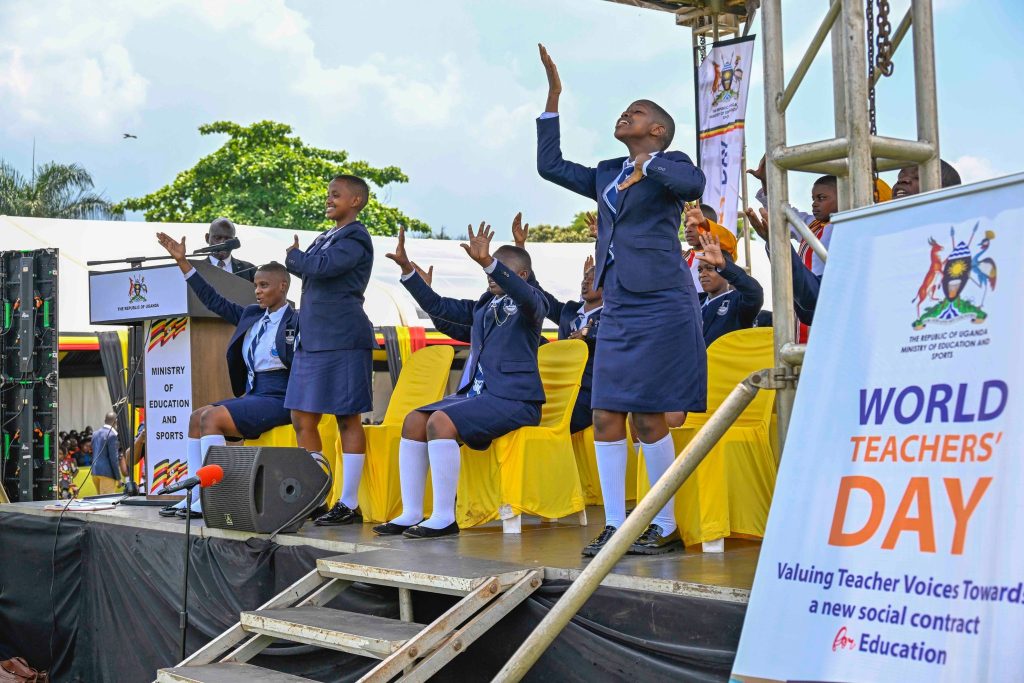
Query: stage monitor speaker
pixel 262 488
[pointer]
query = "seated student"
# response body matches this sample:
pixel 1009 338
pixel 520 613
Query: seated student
pixel 259 357
pixel 731 298
pixel 697 220
pixel 500 390
pixel 575 320
pixel 907 182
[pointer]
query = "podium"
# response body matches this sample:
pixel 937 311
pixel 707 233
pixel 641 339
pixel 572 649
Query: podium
pixel 183 346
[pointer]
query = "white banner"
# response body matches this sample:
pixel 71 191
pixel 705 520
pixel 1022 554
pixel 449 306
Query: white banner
pixel 891 551
pixel 139 294
pixel 168 401
pixel 723 78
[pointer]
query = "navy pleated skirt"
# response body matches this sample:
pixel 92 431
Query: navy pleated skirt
pixel 651 356
pixel 261 409
pixel 482 419
pixel 337 382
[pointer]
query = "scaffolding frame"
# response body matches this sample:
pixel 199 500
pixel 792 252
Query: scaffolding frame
pixel 853 155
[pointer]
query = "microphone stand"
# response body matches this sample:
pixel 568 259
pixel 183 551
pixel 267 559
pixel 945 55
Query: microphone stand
pixel 183 615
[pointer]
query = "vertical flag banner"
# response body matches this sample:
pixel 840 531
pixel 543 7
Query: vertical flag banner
pixel 723 80
pixel 168 401
pixel 892 551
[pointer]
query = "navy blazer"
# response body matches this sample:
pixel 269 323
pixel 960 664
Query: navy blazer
pixel 104 453
pixel 646 228
pixel 734 310
pixel 335 271
pixel 506 352
pixel 564 313
pixel 806 286
pixel 243 318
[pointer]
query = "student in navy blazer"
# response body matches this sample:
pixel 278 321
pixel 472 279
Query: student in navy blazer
pixel 731 299
pixel 333 359
pixel 259 356
pixel 651 359
pixel 499 392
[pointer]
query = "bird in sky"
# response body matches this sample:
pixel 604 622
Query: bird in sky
pixel 129 135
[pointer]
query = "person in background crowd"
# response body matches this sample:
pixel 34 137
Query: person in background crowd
pixel 698 220
pixel 67 469
pixel 221 230
pixel 731 298
pixel 105 468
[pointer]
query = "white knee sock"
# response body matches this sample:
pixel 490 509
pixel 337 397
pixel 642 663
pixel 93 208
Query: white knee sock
pixel 194 458
pixel 659 456
pixel 352 475
pixel 412 469
pixel 611 468
pixel 445 460
pixel 204 445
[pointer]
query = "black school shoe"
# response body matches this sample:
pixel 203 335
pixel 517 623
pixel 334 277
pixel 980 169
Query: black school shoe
pixel 594 547
pixel 340 514
pixel 419 531
pixel 180 514
pixel 391 529
pixel 655 542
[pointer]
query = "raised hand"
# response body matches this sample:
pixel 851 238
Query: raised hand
pixel 399 256
pixel 758 222
pixel 638 172
pixel 479 247
pixel 295 244
pixel 176 250
pixel 426 275
pixel 520 232
pixel 695 218
pixel 591 218
pixel 554 82
pixel 587 265
pixel 712 250
pixel 759 172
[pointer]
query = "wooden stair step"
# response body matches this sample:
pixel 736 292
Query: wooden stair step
pixel 435 573
pixel 226 672
pixel 360 634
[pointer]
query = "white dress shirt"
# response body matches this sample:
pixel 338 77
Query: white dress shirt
pixel 266 355
pixel 227 263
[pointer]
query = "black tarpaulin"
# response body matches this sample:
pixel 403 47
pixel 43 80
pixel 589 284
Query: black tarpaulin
pixel 117 591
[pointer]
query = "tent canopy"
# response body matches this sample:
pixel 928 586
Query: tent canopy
pixel 559 267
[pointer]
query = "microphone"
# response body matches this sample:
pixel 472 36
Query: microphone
pixel 205 476
pixel 231 244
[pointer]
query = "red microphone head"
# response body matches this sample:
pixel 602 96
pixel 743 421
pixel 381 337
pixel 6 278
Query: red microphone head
pixel 210 475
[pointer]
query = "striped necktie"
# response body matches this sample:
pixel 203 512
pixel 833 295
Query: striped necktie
pixel 251 352
pixel 612 193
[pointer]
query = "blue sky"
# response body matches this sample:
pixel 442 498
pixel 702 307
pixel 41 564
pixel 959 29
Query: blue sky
pixel 445 89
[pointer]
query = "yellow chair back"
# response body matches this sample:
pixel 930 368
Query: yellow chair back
pixel 561 368
pixel 731 359
pixel 423 380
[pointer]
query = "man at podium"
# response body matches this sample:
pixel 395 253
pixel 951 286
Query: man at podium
pixel 222 230
pixel 259 358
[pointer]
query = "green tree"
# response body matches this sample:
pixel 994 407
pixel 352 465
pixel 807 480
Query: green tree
pixel 264 175
pixel 577 231
pixel 53 191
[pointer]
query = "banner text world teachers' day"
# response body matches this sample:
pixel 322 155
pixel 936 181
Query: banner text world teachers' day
pixel 970 409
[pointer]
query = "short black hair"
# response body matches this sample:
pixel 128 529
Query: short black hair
pixel 357 185
pixel 709 213
pixel 665 119
pixel 275 267
pixel 829 180
pixel 515 258
pixel 949 175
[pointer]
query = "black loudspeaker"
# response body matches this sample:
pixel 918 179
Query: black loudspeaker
pixel 263 488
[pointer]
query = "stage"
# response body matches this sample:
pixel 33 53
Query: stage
pixel 672 617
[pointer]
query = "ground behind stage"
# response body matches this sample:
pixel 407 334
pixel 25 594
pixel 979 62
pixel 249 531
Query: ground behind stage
pixel 674 617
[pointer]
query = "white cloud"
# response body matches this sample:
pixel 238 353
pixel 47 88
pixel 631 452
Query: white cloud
pixel 972 169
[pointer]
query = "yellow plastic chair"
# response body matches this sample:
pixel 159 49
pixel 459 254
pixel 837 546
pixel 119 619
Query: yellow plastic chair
pixel 586 463
pixel 730 492
pixel 535 466
pixel 284 437
pixel 422 381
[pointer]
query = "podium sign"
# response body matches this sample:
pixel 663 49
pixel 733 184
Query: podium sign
pixel 126 296
pixel 168 400
pixel 891 550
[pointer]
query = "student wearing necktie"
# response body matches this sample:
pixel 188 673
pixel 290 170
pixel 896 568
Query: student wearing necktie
pixel 334 355
pixel 576 320
pixel 651 359
pixel 259 356
pixel 499 392
pixel 221 230
pixel 731 299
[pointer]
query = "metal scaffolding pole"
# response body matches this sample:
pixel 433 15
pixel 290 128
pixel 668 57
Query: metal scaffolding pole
pixel 924 91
